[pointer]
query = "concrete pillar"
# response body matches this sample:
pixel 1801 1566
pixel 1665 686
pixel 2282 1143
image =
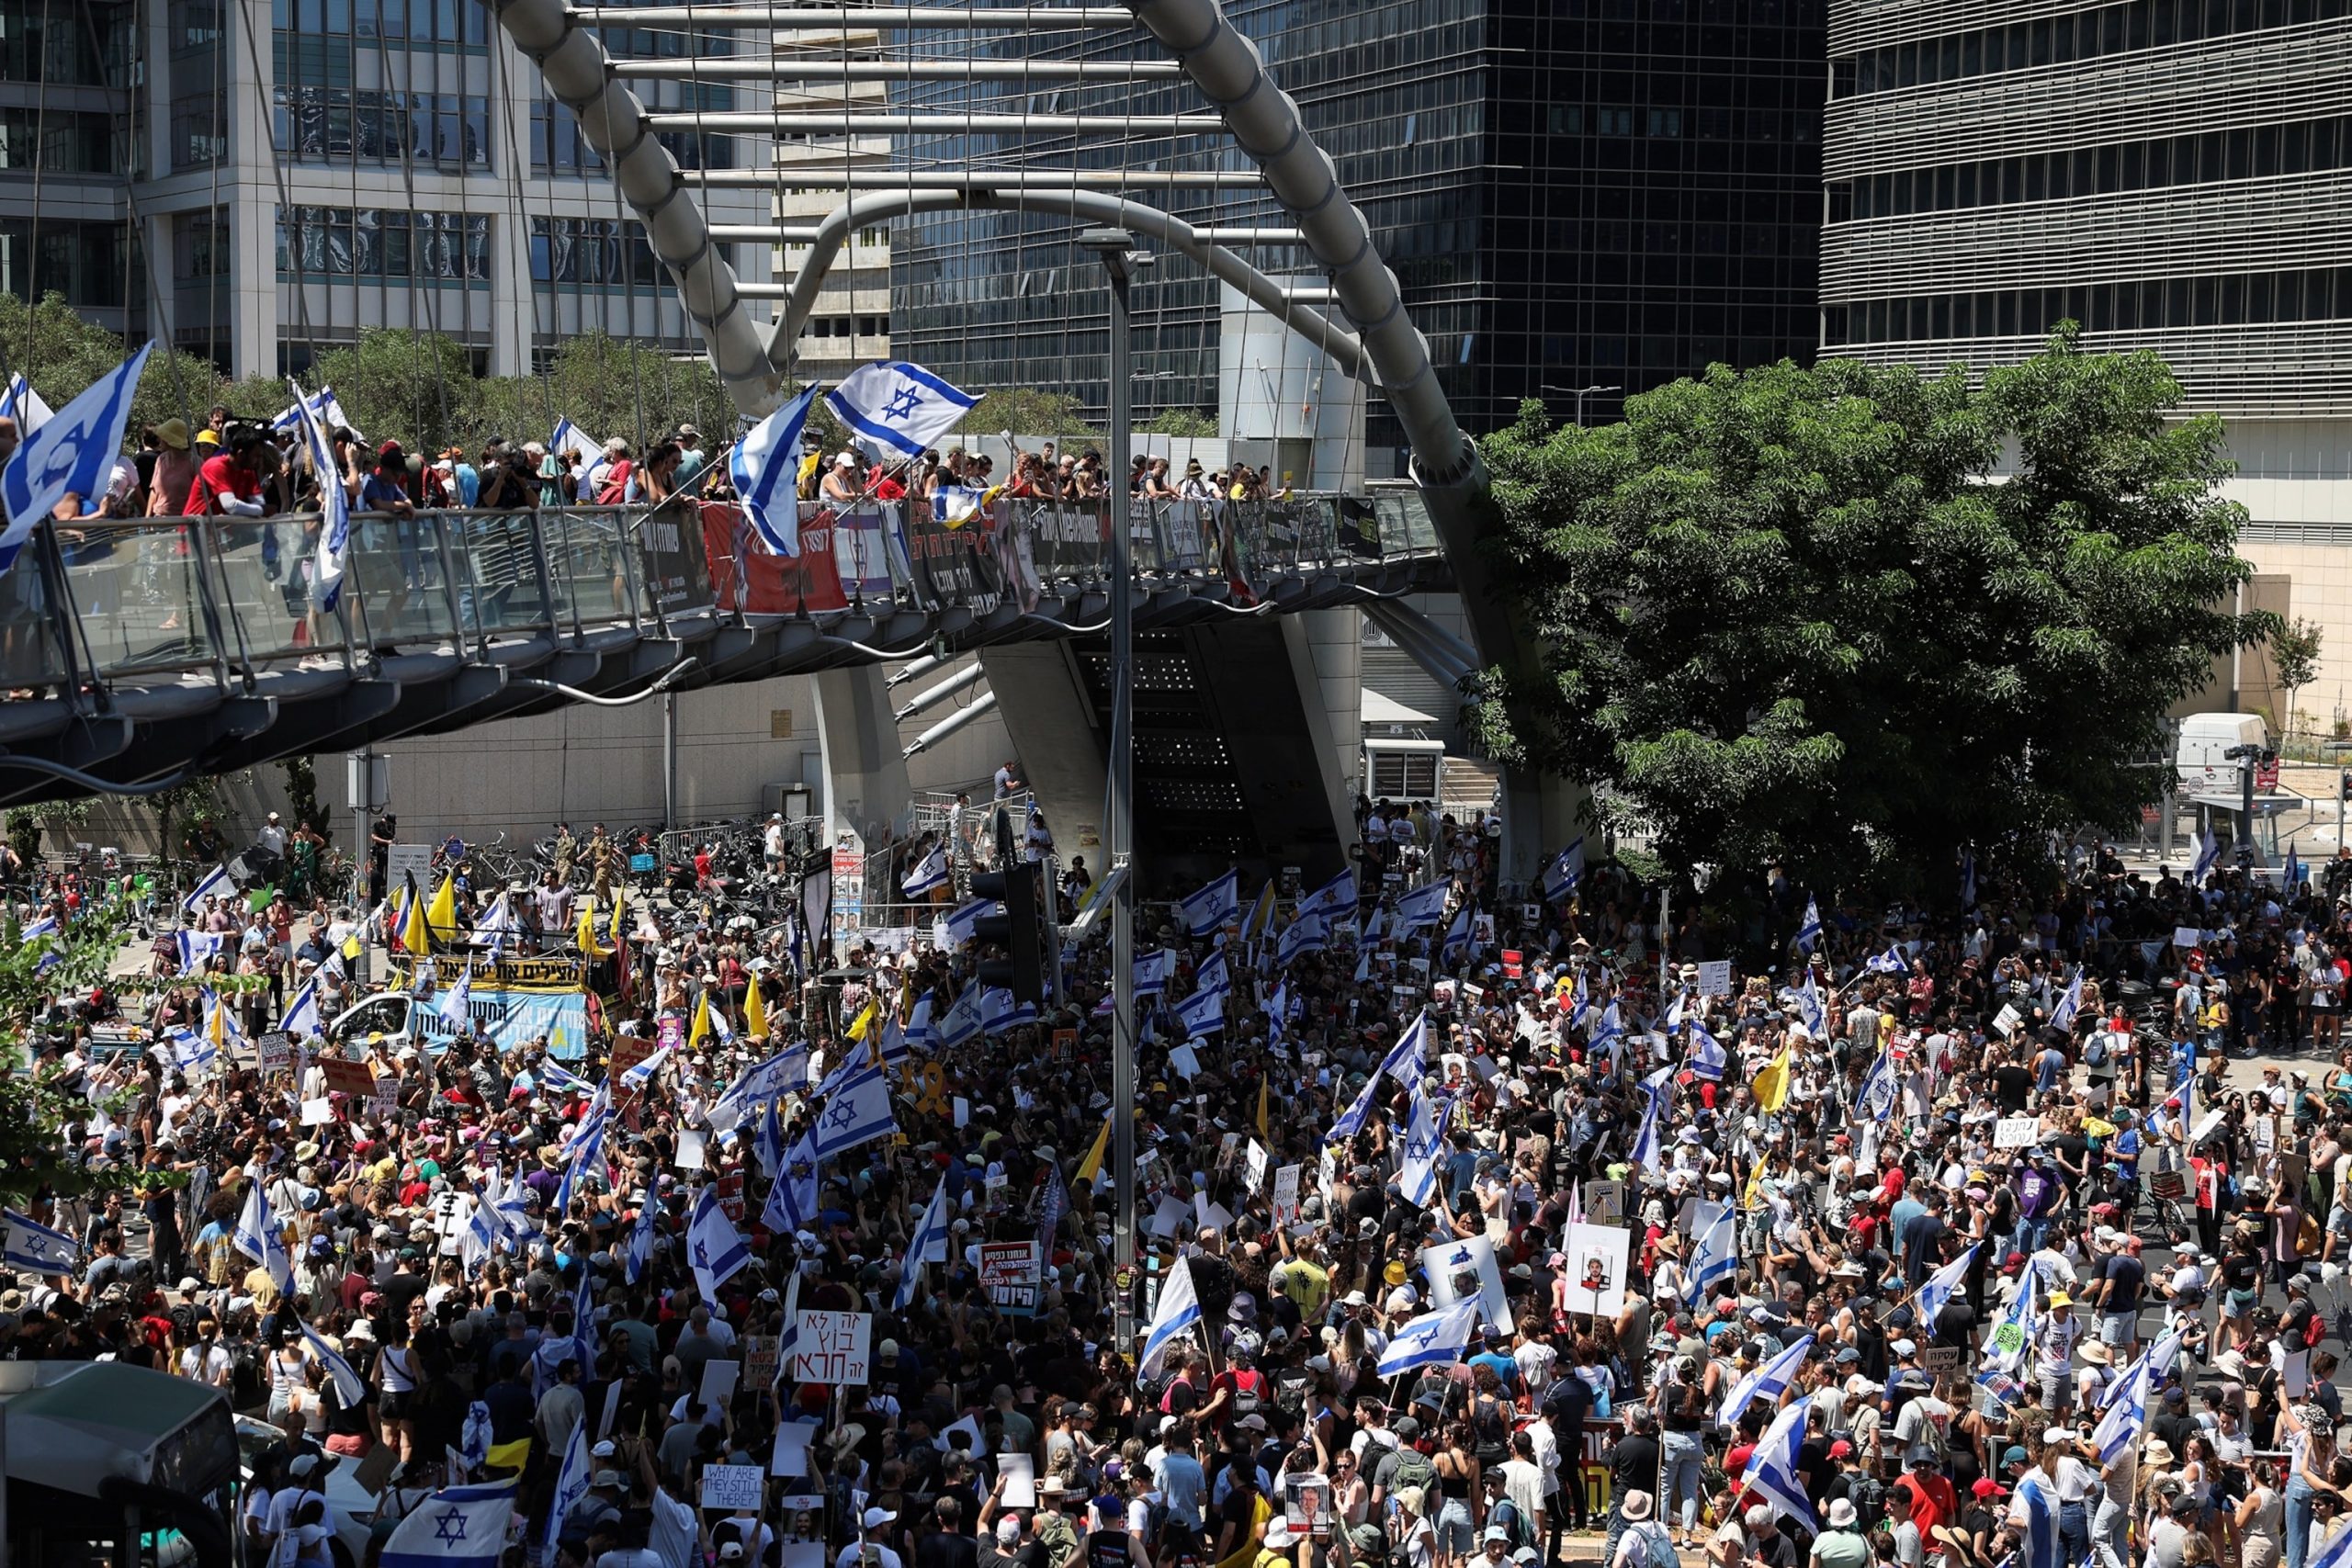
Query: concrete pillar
pixel 513 316
pixel 1327 660
pixel 865 773
pixel 1058 737
pixel 249 183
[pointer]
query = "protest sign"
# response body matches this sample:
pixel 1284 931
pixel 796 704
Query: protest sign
pixel 1286 1194
pixel 1715 977
pixel 1012 1272
pixel 274 1050
pixel 760 1360
pixel 2016 1132
pixel 833 1347
pixel 727 1487
pixel 347 1077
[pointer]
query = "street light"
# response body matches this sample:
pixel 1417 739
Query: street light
pixel 1120 263
pixel 1579 393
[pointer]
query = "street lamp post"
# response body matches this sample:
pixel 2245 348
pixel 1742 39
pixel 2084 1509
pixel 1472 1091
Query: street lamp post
pixel 1116 249
pixel 1579 393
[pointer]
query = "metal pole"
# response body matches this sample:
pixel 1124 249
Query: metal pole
pixel 1119 830
pixel 670 762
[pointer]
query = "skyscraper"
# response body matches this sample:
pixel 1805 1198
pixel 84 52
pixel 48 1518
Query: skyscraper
pixel 1587 198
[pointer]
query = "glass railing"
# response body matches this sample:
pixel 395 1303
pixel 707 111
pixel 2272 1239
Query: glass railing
pixel 210 595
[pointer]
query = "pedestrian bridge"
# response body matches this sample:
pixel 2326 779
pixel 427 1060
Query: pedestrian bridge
pixel 141 653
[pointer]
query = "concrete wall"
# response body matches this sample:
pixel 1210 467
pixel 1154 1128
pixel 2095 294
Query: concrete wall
pixel 2295 480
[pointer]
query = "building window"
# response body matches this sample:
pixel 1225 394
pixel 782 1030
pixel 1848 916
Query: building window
pixel 593 252
pixel 200 136
pixel 69 142
pixel 1616 122
pixel 335 125
pixel 200 247
pixel 1666 122
pixel 338 242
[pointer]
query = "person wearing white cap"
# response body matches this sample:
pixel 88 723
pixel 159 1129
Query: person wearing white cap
pixel 868 1550
pixel 841 480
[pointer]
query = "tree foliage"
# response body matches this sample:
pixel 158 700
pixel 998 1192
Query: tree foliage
pixel 1029 410
pixel 60 354
pixel 1183 424
pixel 1849 620
pixel 2294 655
pixel 35 1106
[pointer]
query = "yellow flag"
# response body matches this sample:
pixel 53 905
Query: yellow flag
pixel 755 1008
pixel 1093 1163
pixel 863 1021
pixel 619 905
pixel 1755 1192
pixel 1262 914
pixel 414 936
pixel 217 1025
pixel 701 1030
pixel 441 915
pixel 1771 1085
pixel 1264 1084
pixel 586 935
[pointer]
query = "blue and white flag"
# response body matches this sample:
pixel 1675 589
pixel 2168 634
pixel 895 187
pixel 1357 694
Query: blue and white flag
pixel 1809 932
pixel 2011 1340
pixel 1968 879
pixel 1874 1096
pixel 1277 1007
pixel 2036 1507
pixel 2070 1002
pixel 1811 1008
pixel 193 1052
pixel 1564 874
pixel 765 466
pixel 2162 1355
pixel 1771 1472
pixel 895 410
pixel 1210 907
pixel 1350 1121
pixel 1001 1010
pixel 1420 908
pixel 301 1020
pixel 964 918
pixel 929 872
pixel 325 409
pixel 927 1245
pixel 2292 880
pixel 1654 1094
pixel 1715 1250
pixel 257 1235
pixel 23 405
pixel 792 1196
pixel 961 1022
pixel 1306 935
pixel 1891 962
pixel 1179 1310
pixel 584 1152
pixel 46 926
pixel 1941 1285
pixel 458 1526
pixel 1417 1175
pixel 570 1486
pixel 638 1254
pixel 552 1074
pixel 2127 1412
pixel 1151 971
pixel 34 1247
pixel 2208 851
pixel 197 948
pixel 1608 1030
pixel 1432 1339
pixel 455 1007
pixel 1201 1014
pixel 1767 1383
pixel 346 1382
pixel 713 1249
pixel 1705 1057
pixel 569 437
pixel 1457 938
pixel 1409 1060
pixel 72 453
pixel 1214 976
pixel 334 500
pixel 640 1074
pixel 1335 897
pixel 856 1116
pixel 767 1140
pixel 217 884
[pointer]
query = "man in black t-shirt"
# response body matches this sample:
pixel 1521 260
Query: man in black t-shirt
pixel 2012 1086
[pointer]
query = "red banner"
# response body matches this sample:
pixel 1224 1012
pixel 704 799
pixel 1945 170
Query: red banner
pixel 749 577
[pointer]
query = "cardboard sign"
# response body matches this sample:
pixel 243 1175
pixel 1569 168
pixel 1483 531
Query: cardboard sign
pixel 2006 1020
pixel 759 1363
pixel 1065 1044
pixel 1598 1258
pixel 727 1487
pixel 2016 1132
pixel 629 1050
pixel 1012 1272
pixel 2186 937
pixel 1512 961
pixel 1457 1269
pixel 347 1077
pixel 1604 1202
pixel 731 1195
pixel 1715 977
pixel 1939 1358
pixel 833 1347
pixel 1286 1194
pixel 276 1051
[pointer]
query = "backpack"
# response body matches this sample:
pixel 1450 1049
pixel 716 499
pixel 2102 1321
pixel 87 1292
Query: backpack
pixel 1251 1398
pixel 1657 1547
pixel 612 488
pixel 2095 1054
pixel 1505 1515
pixel 2314 1329
pixel 1291 1386
pixel 1413 1469
pixel 1868 1493
pixel 248 1379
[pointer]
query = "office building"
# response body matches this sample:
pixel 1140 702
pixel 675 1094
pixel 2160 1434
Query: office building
pixel 1592 197
pixel 2174 174
pixel 368 163
pixel 851 321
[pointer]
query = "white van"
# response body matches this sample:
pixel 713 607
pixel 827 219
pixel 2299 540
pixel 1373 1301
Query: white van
pixel 2205 738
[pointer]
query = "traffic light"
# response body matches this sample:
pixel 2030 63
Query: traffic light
pixel 1018 930
pixel 2344 784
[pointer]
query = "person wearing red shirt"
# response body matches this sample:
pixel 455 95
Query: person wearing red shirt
pixel 1933 1501
pixel 230 480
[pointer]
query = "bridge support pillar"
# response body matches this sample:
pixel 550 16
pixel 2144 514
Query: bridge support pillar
pixel 1058 737
pixel 865 772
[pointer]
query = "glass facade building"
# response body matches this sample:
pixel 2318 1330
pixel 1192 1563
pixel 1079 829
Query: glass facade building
pixel 1573 194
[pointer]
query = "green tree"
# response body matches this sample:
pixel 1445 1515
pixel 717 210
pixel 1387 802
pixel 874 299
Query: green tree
pixel 1798 617
pixel 415 388
pixel 25 824
pixel 2294 655
pixel 60 354
pixel 607 387
pixel 1182 423
pixel 36 1103
pixel 191 805
pixel 1027 411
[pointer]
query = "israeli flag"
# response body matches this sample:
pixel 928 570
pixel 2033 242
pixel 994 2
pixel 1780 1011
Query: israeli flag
pixel 792 1197
pixel 634 1080
pixel 346 1382
pixel 196 948
pixel 1352 1118
pixel 1768 1383
pixel 584 1153
pixel 2012 1338
pixel 2069 1003
pixel 1771 1472
pixel 45 925
pixel 921 1032
pixel 1608 1030
pixel 962 921
pixel 713 1247
pixel 1178 1312
pixel 1210 907
pixel 325 410
pixel 1000 1012
pixel 1333 898
pixel 1706 1056
pixel 72 452
pixel 961 1023
pixel 217 884
pixel 857 1115
pixel 551 1072
pixel 2127 1412
pixel 1420 908
pixel 895 408
pixel 569 437
pixel 764 466
pixel 513 1206
pixel 335 502
pixel 1809 933
pixel 192 1052
pixel 570 1486
pixel 638 1255
pixel 1201 1014
pixel 1152 970
pixel 1874 1097
pixel 1891 962
pixel 258 1238
pixel 1214 976
pixel 1566 871
pixel 2162 1355
pixel 1433 1340
pixel 1277 1007
pixel 1940 1286
pixel 2208 852
pixel 1810 1006
pixel 1407 1060
pixel 955 505
pixel 2293 881
pixel 1417 1176
pixel 301 1021
pixel 1304 935
pixel 931 872
pixel 34 1247
pixel 1714 1252
pixel 928 1245
pixel 458 1526
pixel 455 1007
pixel 767 1140
pixel 23 405
pixel 1644 1155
